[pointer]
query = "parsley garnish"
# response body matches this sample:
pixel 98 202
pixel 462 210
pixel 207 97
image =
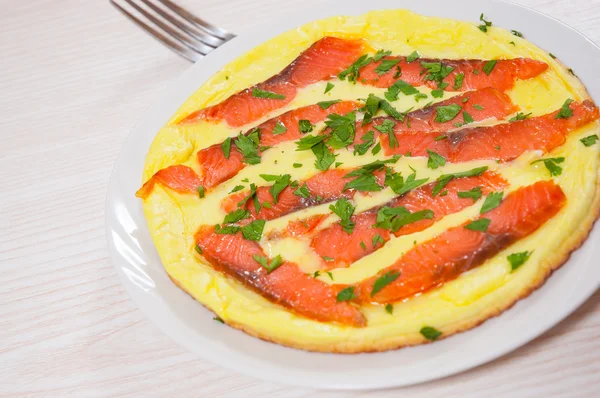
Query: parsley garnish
pixel 474 194
pixel 297 165
pixel 440 137
pixel 377 239
pixel 486 24
pixel 226 147
pixel 458 81
pixel 467 118
pixel 201 191
pixel 367 142
pixel 565 112
pixel 447 113
pixel 437 72
pixel 253 230
pixel 353 71
pixel 589 140
pixel 399 186
pixel 258 93
pixel 380 54
pixel 227 229
pixel 400 86
pixel 307 142
pixel 218 319
pixel 397 217
pixel 279 128
pixel 429 332
pixel 386 65
pixel 281 182
pixel 327 104
pixel 389 309
pixel 489 66
pixel 329 87
pixel 551 165
pixel 305 126
pixel 303 191
pixel 478 107
pixel 519 116
pixel 343 128
pixel 324 157
pixel 270 266
pixel 346 294
pixel 437 93
pixel 413 56
pixel 344 210
pixel 376 149
pixel 492 201
pixel 198 249
pixel 363 246
pixel 518 259
pixel 435 160
pixel 383 281
pixel 420 96
pixel 236 216
pixel 387 127
pixel 552 55
pixel 479 225
pixel 444 179
pixel 248 146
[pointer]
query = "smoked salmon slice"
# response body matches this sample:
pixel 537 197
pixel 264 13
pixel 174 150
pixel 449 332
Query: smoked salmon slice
pixel 503 142
pixel 285 285
pixel 217 168
pixel 460 249
pixel 453 75
pixel 341 249
pixel 322 188
pixel 321 61
pixel 179 178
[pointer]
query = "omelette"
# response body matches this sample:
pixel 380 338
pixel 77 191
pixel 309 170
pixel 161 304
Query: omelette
pixel 365 183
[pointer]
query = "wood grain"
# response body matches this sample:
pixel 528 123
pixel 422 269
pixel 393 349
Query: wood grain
pixel 75 77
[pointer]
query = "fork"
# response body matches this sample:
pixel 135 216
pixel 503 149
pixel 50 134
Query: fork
pixel 184 33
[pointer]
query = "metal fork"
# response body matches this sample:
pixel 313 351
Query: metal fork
pixel 188 35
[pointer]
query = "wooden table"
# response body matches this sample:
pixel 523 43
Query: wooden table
pixel 75 77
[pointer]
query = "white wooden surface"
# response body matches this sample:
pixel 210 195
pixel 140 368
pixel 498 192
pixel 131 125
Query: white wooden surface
pixel 74 78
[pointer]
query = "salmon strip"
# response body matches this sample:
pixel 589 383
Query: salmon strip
pixel 503 142
pixel 483 104
pixel 217 168
pixel 179 178
pixel 323 187
pixel 321 61
pixel 459 249
pixel 287 285
pixel 342 249
pixel 502 76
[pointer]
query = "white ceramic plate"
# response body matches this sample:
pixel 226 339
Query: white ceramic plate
pixel 192 326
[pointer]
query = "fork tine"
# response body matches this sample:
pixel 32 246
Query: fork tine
pixel 198 47
pixel 173 45
pixel 202 36
pixel 198 22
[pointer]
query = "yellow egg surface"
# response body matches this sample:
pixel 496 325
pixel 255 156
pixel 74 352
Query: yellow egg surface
pixel 463 303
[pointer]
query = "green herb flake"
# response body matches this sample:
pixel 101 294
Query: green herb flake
pixel 362 244
pixel 201 191
pixel 303 191
pixel 489 66
pixel 307 142
pixel 400 86
pixel 376 149
pixel 389 308
pixel 279 128
pixel 516 33
pixel 485 25
pixel 281 182
pixel 386 65
pixel 198 249
pixel 467 118
pixel 458 81
pixel 344 210
pixel 444 179
pixel 218 319
pixel 270 266
pixel 447 113
pixel 481 224
pixel 305 126
pixel 324 156
pixel 368 140
pixel 346 294
pixel 420 96
pixel 387 127
pixel 352 73
pixel 565 111
pixel 327 104
pixel 518 259
pixel 383 281
pixel 248 146
pixel 327 259
pixel 297 165
pixel 413 56
pixel 343 129
pixel 475 71
pixel 235 216
pixel 440 137
pixel 552 55
pixel 437 93
pixel 258 93
pixel 474 194
pixel 430 333
pixel 226 147
pixel 435 160
pixel 329 87
pixel 377 239
pixel 478 107
pixel 552 165
pixel 380 54
pixel 492 201
pixel 519 116
pixel 253 230
pixel 227 229
pixel 589 140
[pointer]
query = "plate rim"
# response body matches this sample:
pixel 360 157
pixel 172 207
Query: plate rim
pixel 225 361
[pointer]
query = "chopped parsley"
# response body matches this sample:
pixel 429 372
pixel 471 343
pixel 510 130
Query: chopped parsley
pixel 485 25
pixel 458 81
pixel 467 118
pixel 297 165
pixel 235 216
pixel 352 73
pixel 516 33
pixel 258 93
pixel 346 294
pixel 387 127
pixel 270 266
pixel 478 107
pixel 305 126
pixel 389 308
pixel 435 160
pixel 329 87
pixel 226 147
pixel 565 111
pixel 552 55
pixel 436 72
pixel 248 146
pixel 377 239
pixel 198 249
pixel 431 333
pixel 344 210
pixel 201 191
pixel 420 96
pixel 307 142
pixel 383 281
pixel 386 65
pixel 253 230
pixel 492 201
pixel 552 165
pixel 218 319
pixel 376 149
pixel 447 113
pixel 444 179
pixel 302 191
pixel 324 156
pixel 280 183
pixel 519 116
pixel 589 140
pixel 279 128
pixel 474 194
pixel 400 86
pixel 479 225
pixel 327 104
pixel 394 218
pixel 489 66
pixel 437 93
pixel 343 128
pixel 368 140
pixel 518 259
pixel 380 54
pixel 413 56
pixel 397 183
